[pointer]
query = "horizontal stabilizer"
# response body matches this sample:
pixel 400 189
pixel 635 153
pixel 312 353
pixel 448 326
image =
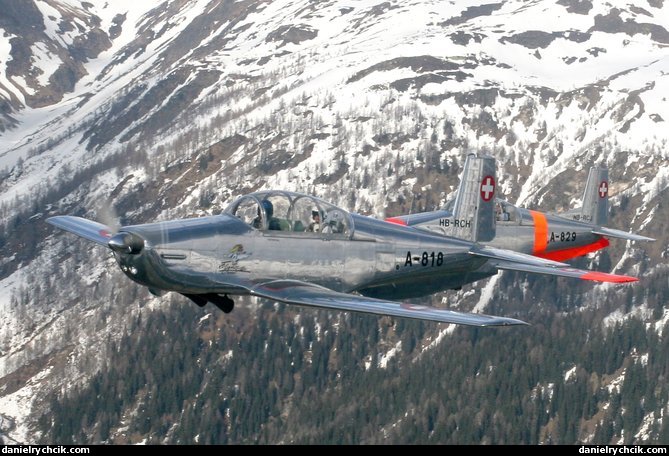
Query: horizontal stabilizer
pixel 302 293
pixel 87 229
pixel 421 218
pixel 514 261
pixel 619 234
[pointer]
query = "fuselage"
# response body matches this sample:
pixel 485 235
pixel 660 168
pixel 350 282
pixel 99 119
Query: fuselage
pixel 374 258
pixel 521 230
pixel 546 235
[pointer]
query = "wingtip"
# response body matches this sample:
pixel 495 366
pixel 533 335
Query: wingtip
pixel 503 321
pixel 514 322
pixel 605 277
pixel 53 219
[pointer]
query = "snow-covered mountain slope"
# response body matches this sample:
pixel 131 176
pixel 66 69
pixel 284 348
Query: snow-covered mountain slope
pixel 168 110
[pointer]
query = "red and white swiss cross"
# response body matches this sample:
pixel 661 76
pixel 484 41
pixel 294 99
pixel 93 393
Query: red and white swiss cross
pixel 487 188
pixel 603 189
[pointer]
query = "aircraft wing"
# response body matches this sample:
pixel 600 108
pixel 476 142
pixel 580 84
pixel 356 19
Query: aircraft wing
pixel 307 294
pixel 88 229
pixel 515 261
pixel 619 234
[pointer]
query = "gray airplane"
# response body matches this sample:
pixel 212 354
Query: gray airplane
pixel 557 237
pixel 298 249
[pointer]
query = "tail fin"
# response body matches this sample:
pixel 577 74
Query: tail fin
pixel 471 215
pixel 595 206
pixel 474 207
pixel 596 196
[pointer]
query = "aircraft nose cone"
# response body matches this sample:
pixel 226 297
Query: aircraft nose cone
pixel 126 243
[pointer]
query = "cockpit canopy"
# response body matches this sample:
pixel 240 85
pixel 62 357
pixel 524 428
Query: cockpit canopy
pixel 504 211
pixel 285 211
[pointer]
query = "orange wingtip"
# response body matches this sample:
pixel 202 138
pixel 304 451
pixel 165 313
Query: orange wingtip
pixel 604 277
pixel 397 221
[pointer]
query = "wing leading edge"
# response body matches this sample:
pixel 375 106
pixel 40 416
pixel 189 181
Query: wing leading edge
pixel 307 294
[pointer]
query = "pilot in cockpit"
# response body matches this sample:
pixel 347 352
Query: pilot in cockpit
pixel 332 222
pixel 315 225
pixel 500 212
pixel 273 223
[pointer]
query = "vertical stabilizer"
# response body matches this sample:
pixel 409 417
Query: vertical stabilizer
pixel 595 206
pixel 596 196
pixel 474 207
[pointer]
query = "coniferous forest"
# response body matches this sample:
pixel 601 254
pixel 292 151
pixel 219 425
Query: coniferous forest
pixel 304 376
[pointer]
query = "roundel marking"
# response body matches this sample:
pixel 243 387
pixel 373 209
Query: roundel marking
pixel 603 189
pixel 487 188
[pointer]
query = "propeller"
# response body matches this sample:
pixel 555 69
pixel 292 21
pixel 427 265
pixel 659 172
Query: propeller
pixel 126 243
pixel 106 213
pixel 119 242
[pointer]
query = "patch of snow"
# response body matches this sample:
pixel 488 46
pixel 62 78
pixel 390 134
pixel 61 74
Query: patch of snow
pixel 17 407
pixel 46 61
pixel 486 294
pixel 7 86
pixel 643 434
pixel 437 340
pixel 641 312
pixel 615 384
pixel 662 322
pixel 383 359
pixel 643 359
pixel 569 374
